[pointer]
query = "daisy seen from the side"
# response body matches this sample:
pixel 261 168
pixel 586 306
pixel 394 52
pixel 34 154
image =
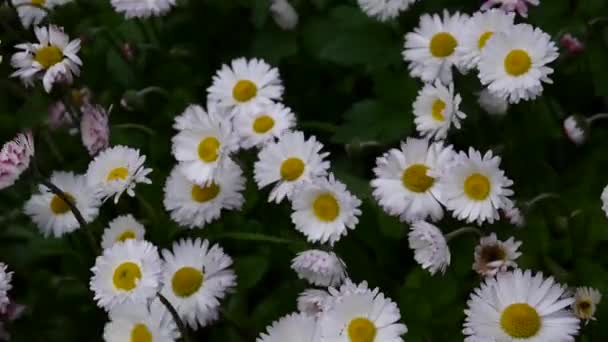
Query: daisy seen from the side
pixel 319 267
pixel 384 10
pixel 430 247
pixel 142 9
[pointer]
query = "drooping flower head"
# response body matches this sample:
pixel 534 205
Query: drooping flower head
pixel 319 267
pixel 430 247
pixel 94 128
pixel 521 6
pixel 15 157
pixel 142 9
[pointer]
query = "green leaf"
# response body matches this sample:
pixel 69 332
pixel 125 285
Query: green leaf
pixel 250 270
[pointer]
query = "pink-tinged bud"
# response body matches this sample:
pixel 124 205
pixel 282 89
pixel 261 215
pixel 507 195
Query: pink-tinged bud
pixel 576 128
pixel 128 52
pixel 572 44
pixel 515 216
pixel 58 116
pixel 15 158
pixel 521 6
pixel 94 128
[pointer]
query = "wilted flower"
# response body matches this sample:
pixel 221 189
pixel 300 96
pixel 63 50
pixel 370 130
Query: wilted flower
pixel 59 116
pixel 586 301
pixel 572 44
pixel 94 128
pixel 493 256
pixel 15 158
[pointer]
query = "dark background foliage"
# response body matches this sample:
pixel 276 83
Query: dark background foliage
pixel 346 81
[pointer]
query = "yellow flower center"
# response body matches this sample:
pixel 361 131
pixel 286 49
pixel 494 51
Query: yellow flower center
pixel 361 330
pixel 292 169
pixel 48 56
pixel 126 235
pixel 208 149
pixel 244 90
pixel 483 39
pixel 520 320
pixel 415 179
pixel 477 187
pixel 202 194
pixel 186 281
pixel 326 207
pixel 126 276
pixel 263 124
pixel 438 107
pixel 38 3
pixel 517 62
pixel 58 206
pixel 443 44
pixel 140 333
pixel 118 173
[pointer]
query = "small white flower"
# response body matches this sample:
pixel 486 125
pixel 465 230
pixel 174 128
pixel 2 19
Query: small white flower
pixel 52 215
pixel 141 322
pixel 33 12
pixel 493 256
pixel 15 157
pixel 127 273
pixel 325 210
pixel 116 170
pixel 265 124
pixel 436 109
pixel 245 84
pixel 194 205
pixel 431 48
pixel 319 268
pixel 585 303
pixel 290 162
pixel 604 198
pixel 514 65
pixel 196 277
pixel 284 14
pixel 521 6
pixel 313 301
pixel 515 216
pixel 120 229
pixel 476 188
pixel 491 103
pixel 430 247
pixel 5 286
pixel 576 128
pixel 94 128
pixel 142 9
pixel 53 59
pixel 384 10
pixel 296 327
pixel 406 183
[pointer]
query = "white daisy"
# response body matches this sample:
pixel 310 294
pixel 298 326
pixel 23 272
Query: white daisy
pixel 53 59
pixel 406 179
pixel 513 66
pixel 319 268
pixel 245 84
pixel 476 188
pixel 491 103
pixel 284 14
pixel 122 228
pixel 263 124
pixel 476 33
pixel 116 170
pixel 521 6
pixel 5 286
pixel 325 210
pixel 194 205
pixel 127 273
pixel 33 12
pixel 576 128
pixel 196 277
pixel 585 303
pixel 604 198
pixel 361 314
pixel 296 327
pixel 436 109
pixel 142 9
pixel 430 247
pixel 290 162
pixel 141 322
pixel 493 256
pixel 519 306
pixel 312 301
pixel 203 145
pixel 431 48
pixel 52 215
pixel 384 10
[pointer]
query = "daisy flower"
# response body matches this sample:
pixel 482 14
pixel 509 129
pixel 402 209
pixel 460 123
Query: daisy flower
pixel 604 198
pixel 519 306
pixel 122 228
pixel 5 286
pixel 521 6
pixel 142 9
pixel 514 215
pixel 576 128
pixel 194 205
pixel 476 33
pixel 290 162
pixel 202 144
pixel 283 14
pixel 312 301
pixel 361 314
pixel 94 128
pixel 493 256
pixel 15 157
pixel 431 48
pixel 406 179
pixel 52 215
pixel 245 84
pixel 141 322
pixel 296 327
pixel 586 300
pixel 319 268
pixel 476 188
pixel 491 103
pixel 196 277
pixel 33 12
pixel 264 124
pixel 436 109
pixel 513 66
pixel 384 10
pixel 128 273
pixel 325 210
pixel 53 59
pixel 116 170
pixel 430 247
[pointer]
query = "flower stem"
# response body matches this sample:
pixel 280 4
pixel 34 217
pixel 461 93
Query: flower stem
pixel 598 116
pixel 461 231
pixel 180 324
pixel 544 195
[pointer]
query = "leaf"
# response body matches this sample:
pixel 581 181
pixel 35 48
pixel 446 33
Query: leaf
pixel 250 270
pixel 274 45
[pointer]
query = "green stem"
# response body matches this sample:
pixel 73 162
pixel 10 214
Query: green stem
pixel 543 196
pixel 255 237
pixel 180 324
pixel 142 128
pixel 598 116
pixel 461 231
